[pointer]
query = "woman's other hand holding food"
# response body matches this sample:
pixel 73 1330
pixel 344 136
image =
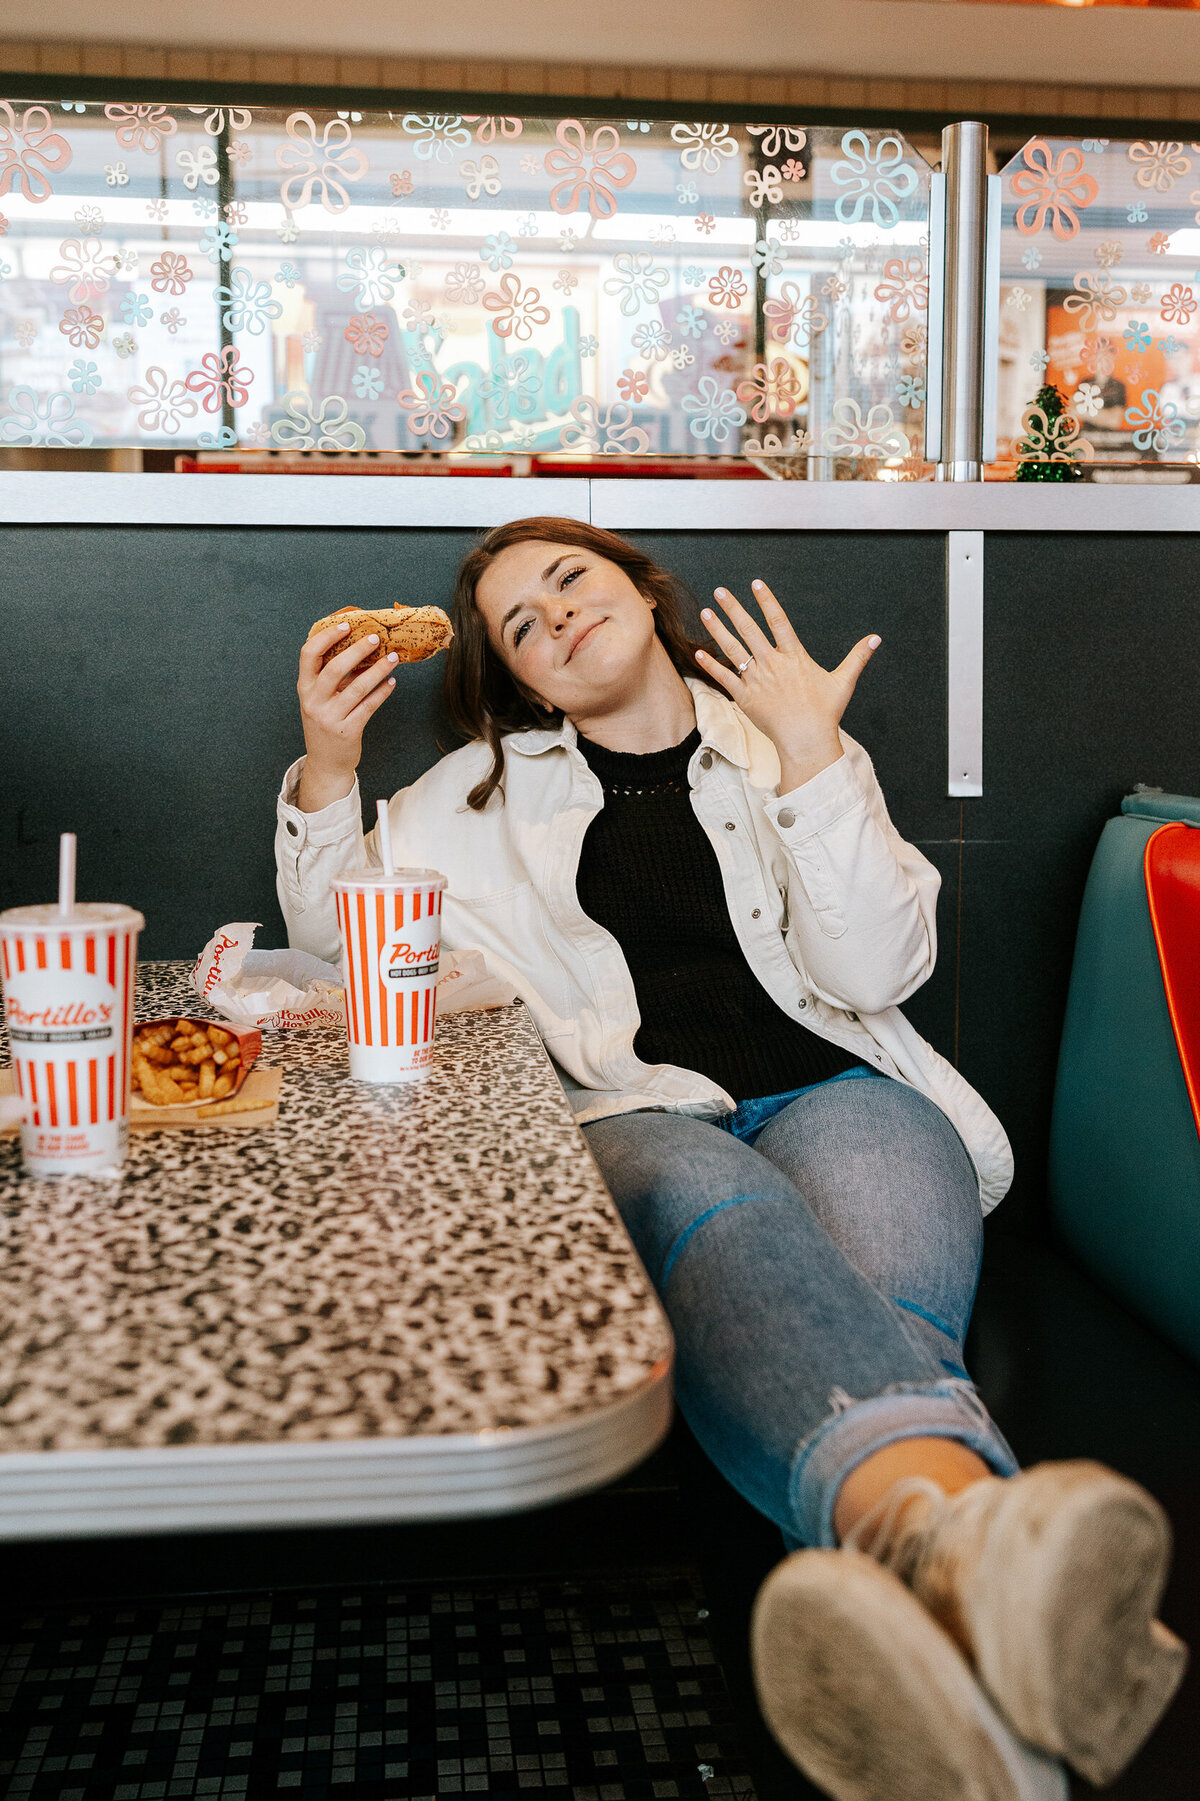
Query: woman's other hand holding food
pixel 335 705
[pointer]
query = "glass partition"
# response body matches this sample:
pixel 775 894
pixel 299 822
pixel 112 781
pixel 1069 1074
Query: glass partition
pixel 219 276
pixel 1100 296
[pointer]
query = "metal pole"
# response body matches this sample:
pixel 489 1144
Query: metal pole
pixel 964 165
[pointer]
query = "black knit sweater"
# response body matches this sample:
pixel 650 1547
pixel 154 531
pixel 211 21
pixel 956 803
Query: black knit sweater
pixel 649 875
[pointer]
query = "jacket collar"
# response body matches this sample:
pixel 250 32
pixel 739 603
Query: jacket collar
pixel 722 727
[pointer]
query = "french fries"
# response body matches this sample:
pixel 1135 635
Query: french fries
pixel 237 1103
pixel 185 1061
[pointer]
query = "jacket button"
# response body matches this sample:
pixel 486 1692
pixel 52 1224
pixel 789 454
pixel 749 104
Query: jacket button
pixel 706 760
pixel 802 1004
pixel 757 913
pixel 293 828
pixel 729 826
pixel 787 818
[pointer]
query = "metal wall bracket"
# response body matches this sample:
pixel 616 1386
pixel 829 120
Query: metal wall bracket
pixel 964 662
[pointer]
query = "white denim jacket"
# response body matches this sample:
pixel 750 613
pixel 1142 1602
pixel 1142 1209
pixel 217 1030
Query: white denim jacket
pixel 834 911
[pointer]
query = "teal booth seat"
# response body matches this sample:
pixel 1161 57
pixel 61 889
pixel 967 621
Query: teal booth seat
pixel 1124 1177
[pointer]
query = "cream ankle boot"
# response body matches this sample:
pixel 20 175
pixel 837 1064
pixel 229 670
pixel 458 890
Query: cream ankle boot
pixel 1049 1582
pixel 872 1700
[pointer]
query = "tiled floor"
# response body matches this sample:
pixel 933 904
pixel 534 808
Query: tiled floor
pixel 594 1690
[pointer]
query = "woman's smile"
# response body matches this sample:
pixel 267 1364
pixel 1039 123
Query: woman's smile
pixel 584 637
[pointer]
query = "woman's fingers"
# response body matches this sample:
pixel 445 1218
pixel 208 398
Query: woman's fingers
pixel 734 649
pixel 314 648
pixel 340 668
pixel 357 719
pixel 776 618
pixel 753 636
pixel 361 685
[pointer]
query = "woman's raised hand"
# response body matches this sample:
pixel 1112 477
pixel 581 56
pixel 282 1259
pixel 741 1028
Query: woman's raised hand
pixel 335 705
pixel 782 690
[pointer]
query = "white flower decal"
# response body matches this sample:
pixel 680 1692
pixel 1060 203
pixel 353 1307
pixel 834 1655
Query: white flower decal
pixel 875 177
pixel 323 426
pixel 164 403
pixel 51 421
pixel 607 429
pixel 437 135
pixel 637 279
pixel 372 277
pixel 850 435
pixel 704 146
pixel 326 163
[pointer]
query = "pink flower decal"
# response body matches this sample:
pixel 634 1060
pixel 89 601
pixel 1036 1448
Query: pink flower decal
pixel 794 320
pixel 592 172
pixel 170 274
pixel 727 288
pixel 1058 190
pixel 402 184
pixel 1178 305
pixel 903 288
pixel 1096 300
pixel 516 309
pixel 222 378
pixel 141 127
pixel 366 334
pixel 633 385
pixel 81 327
pixel 163 402
pixel 28 150
pixel 706 222
pixel 1158 242
pixel 776 391
pixel 488 126
pixel 325 162
pixel 432 405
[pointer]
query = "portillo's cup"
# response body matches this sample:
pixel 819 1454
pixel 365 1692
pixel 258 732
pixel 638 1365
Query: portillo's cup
pixel 391 929
pixel 68 1004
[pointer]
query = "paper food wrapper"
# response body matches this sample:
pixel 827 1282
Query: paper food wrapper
pixel 290 991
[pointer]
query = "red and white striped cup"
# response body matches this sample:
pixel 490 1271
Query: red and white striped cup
pixel 68 1004
pixel 391 929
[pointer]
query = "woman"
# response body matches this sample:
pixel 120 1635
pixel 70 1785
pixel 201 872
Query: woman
pixel 689 873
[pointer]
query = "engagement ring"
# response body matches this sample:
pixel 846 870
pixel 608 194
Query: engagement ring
pixel 743 666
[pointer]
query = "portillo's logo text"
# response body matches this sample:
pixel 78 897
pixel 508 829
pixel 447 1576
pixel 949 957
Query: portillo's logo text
pixel 401 959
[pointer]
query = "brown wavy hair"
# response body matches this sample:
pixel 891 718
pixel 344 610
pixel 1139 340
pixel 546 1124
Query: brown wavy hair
pixel 483 697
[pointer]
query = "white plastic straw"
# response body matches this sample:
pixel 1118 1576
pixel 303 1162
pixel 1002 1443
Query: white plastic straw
pixel 66 874
pixel 385 837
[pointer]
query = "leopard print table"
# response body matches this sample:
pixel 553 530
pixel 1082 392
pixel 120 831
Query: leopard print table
pixel 442 1258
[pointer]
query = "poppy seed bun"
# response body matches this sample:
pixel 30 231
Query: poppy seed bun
pixel 414 633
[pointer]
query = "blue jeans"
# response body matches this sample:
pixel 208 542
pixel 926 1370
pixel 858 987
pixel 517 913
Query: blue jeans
pixel 817 1254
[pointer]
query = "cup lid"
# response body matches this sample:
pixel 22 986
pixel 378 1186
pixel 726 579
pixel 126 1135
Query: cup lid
pixel 88 916
pixel 399 881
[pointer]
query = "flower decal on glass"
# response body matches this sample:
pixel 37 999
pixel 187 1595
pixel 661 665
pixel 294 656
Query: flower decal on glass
pixel 432 405
pixel 767 256
pixel 773 390
pixel 170 274
pixel 83 377
pixel 1178 305
pixel 794 318
pixel 517 309
pixel 910 391
pixel 1099 355
pixel 510 388
pixel 81 327
pixel 497 251
pixel 778 140
pixel 715 413
pixel 704 147
pixel 1087 399
pixel 765 187
pixel 592 172
pixel 372 275
pixel 876 436
pixel 324 425
pixel 247 305
pixel 904 289
pixel 638 279
pixel 1046 440
pixel 163 402
pixel 324 163
pixel 633 384
pixel 488 127
pixel 367 382
pixel 652 340
pixel 1058 189
pixel 81 268
pixel 1158 165
pixel 136 309
pixel 482 177
pixel 199 167
pixel 607 429
pixel 875 177
pixel 171 319
pixel 239 118
pixel 141 127
pixel 727 288
pixel 436 136
pixel 30 152
pixel 51 420
pixel 366 334
pixel 465 284
pixel 1096 299
pixel 221 380
pixel 1156 423
pixel 218 242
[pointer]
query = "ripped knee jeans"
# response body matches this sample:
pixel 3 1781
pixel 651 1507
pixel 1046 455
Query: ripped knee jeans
pixel 817 1260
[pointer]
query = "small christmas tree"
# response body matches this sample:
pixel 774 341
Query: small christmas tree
pixel 1051 443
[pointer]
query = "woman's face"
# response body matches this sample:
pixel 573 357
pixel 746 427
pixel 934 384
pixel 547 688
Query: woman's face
pixel 569 624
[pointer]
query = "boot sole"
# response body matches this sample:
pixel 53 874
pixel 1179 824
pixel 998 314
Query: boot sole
pixel 1070 1648
pixel 872 1700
